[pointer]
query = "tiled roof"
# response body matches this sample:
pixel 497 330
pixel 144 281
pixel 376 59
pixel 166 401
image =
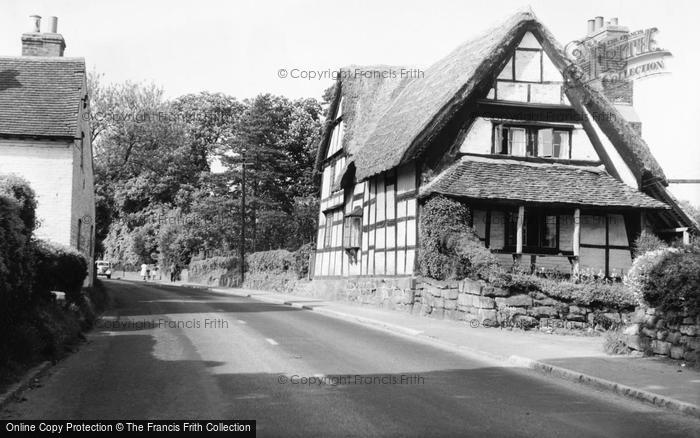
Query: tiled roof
pixel 521 181
pixel 40 95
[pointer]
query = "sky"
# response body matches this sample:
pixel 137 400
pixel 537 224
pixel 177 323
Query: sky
pixel 238 47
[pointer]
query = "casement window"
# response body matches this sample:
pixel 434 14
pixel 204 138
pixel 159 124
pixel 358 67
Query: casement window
pixel 532 141
pixel 328 236
pixel 352 230
pixel 540 231
pixel 553 143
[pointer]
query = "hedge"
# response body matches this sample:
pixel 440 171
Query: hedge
pixel 16 267
pixel 60 268
pixel 18 188
pixel 278 260
pixel 198 268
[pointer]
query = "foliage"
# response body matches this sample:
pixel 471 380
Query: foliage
pixel 673 284
pixel 638 276
pixel 646 242
pixel 615 342
pixel 444 223
pixel 199 268
pixel 59 268
pixel 158 199
pixel 301 259
pixel 16 263
pixel 274 261
pixel 19 189
pixel 586 293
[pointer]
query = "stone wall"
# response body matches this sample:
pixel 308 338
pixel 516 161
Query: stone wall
pixel 473 301
pixel 676 335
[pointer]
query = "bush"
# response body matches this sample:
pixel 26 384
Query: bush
pixel 449 248
pixel 646 242
pixel 199 268
pixel 615 342
pixel 301 259
pixel 60 268
pixel 592 293
pixel 16 264
pixel 673 284
pixel 18 188
pixel 279 260
pixel 638 276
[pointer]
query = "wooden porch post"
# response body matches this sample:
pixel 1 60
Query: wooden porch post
pixel 577 240
pixel 519 234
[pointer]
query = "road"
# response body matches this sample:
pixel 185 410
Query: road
pixel 177 353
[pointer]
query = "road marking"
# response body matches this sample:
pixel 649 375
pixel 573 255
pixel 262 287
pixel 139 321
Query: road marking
pixel 271 341
pixel 241 321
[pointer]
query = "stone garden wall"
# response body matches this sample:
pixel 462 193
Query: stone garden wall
pixel 475 302
pixel 676 335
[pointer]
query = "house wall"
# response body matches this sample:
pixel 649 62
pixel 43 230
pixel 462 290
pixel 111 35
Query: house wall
pixel 389 227
pixel 479 140
pixel 603 240
pixel 83 195
pixel 48 166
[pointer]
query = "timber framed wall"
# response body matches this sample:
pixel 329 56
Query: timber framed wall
pixel 389 227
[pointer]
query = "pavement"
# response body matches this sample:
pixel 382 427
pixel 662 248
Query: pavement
pixel 660 381
pixel 167 352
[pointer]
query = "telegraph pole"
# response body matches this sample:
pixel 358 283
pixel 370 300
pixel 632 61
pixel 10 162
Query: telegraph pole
pixel 242 244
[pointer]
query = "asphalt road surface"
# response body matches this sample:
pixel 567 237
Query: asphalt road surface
pixel 178 353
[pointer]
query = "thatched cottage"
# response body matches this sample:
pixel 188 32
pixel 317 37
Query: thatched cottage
pixel 553 167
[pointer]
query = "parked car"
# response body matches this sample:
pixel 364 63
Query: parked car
pixel 104 268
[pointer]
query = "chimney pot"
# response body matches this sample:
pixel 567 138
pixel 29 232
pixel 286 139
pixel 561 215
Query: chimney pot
pixel 35 23
pixel 591 26
pixel 53 25
pixel 613 21
pixel 598 22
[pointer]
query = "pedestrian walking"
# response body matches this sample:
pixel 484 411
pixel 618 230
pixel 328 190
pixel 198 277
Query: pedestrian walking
pixel 144 271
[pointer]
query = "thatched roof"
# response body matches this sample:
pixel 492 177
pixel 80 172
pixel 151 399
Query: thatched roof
pixel 391 122
pixel 366 92
pixel 403 116
pixel 518 181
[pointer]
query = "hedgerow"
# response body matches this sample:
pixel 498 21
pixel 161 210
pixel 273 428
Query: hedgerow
pixel 278 260
pixel 61 268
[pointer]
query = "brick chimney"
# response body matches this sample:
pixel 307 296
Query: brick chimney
pixel 48 43
pixel 619 92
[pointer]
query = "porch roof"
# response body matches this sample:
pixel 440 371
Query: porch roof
pixel 527 182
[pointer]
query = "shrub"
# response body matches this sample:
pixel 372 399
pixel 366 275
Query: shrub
pixel 60 268
pixel 301 259
pixel 646 242
pixel 199 268
pixel 638 275
pixel 615 342
pixel 16 265
pixel 673 284
pixel 591 293
pixel 18 188
pixel 449 247
pixel 279 260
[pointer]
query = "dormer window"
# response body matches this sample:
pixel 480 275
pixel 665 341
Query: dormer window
pixel 532 141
